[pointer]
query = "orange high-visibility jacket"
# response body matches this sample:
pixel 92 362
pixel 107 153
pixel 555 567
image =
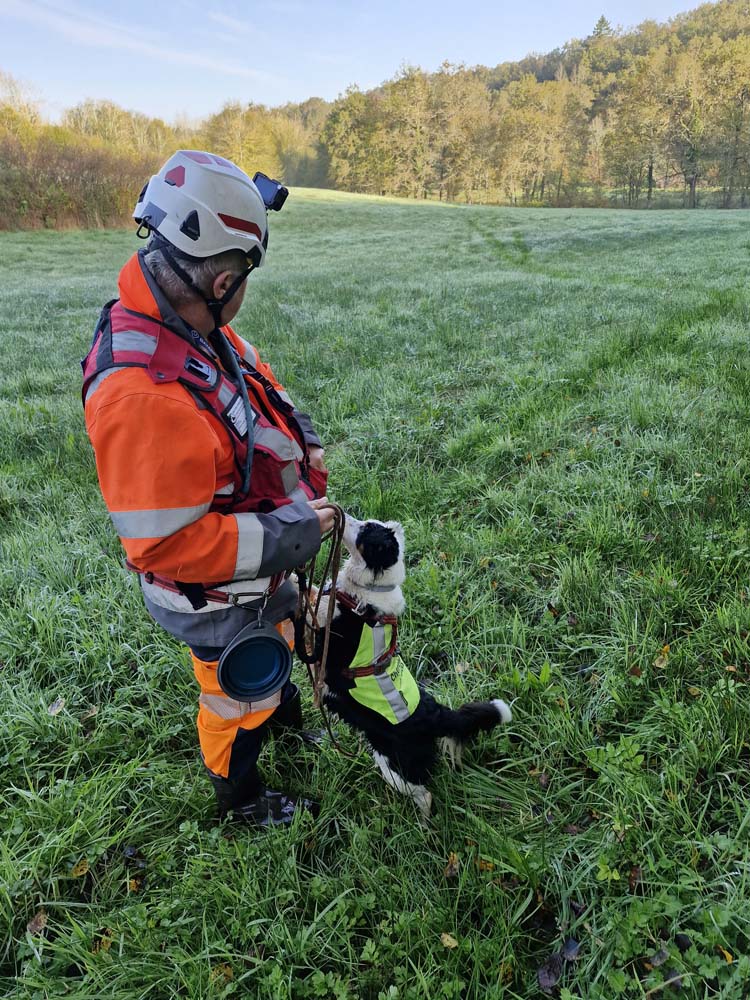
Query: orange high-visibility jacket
pixel 164 461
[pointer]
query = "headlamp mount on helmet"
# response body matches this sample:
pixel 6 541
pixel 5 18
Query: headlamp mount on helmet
pixel 273 192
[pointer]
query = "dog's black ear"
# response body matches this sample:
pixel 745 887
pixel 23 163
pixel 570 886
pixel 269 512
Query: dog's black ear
pixel 378 546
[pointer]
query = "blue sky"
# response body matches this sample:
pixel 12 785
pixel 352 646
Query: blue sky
pixel 188 57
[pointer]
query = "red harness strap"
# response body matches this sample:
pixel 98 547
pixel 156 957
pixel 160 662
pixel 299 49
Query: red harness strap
pixel 209 594
pixel 379 665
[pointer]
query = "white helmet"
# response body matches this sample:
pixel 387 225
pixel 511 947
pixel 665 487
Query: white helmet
pixel 203 204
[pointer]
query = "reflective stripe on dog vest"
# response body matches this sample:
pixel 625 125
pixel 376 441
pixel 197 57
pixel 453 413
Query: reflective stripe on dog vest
pixel 394 693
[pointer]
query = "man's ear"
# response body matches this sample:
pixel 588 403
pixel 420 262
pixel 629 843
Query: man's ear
pixel 222 282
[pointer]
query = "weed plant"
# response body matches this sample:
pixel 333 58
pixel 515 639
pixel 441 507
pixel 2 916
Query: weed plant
pixel 555 404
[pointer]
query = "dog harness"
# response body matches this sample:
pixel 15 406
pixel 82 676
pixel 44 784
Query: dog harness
pixel 381 680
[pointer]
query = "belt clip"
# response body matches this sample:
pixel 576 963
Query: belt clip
pixel 262 608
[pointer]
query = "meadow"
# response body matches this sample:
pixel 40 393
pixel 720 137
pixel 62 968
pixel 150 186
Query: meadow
pixel 555 405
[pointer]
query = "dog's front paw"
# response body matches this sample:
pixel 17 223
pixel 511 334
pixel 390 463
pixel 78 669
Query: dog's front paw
pixel 452 750
pixel 423 799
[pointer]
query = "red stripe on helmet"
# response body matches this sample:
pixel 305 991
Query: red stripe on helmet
pixel 175 177
pixel 243 225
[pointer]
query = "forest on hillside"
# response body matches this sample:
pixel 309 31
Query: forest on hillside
pixel 656 116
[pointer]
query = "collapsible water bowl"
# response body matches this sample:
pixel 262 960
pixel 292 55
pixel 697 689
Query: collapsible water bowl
pixel 255 664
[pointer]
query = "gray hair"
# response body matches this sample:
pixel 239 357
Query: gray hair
pixel 203 273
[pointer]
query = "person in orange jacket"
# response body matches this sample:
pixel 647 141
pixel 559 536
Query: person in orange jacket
pixel 214 481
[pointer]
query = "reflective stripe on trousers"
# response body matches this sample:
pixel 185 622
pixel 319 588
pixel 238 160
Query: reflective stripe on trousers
pixel 220 717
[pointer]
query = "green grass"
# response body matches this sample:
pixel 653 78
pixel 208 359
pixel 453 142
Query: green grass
pixel 555 404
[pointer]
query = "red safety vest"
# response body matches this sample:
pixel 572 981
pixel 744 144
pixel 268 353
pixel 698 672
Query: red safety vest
pixel 280 473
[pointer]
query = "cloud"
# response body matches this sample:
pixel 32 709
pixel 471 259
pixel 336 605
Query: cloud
pixel 84 28
pixel 233 23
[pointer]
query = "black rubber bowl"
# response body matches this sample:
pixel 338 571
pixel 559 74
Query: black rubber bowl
pixel 255 664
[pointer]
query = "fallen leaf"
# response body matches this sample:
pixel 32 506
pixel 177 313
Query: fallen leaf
pixel 37 923
pixel 728 956
pixel 635 878
pixel 635 671
pixel 658 959
pixel 673 979
pixel 133 857
pixel 544 779
pixel 683 942
pixel 661 660
pixel 103 940
pixel 135 884
pixel 485 866
pixel 451 869
pixel 81 868
pixel 549 974
pixel 694 691
pixel 90 712
pixel 552 610
pixel 570 950
pixel 223 972
pixel 448 941
pixel 56 707
pixel 462 667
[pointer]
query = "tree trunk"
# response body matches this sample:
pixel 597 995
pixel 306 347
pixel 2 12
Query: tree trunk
pixel 650 180
pixel 693 182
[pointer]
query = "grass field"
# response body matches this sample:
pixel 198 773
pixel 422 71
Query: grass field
pixel 555 404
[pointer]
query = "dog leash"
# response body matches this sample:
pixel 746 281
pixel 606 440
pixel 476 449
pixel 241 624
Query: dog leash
pixel 315 659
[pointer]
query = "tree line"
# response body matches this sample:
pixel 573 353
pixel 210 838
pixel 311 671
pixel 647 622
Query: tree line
pixel 656 116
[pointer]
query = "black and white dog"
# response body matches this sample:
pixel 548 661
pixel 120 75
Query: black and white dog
pixel 367 683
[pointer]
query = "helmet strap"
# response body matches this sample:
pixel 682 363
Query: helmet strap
pixel 214 306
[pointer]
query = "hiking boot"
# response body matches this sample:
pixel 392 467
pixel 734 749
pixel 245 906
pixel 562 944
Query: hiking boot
pixel 270 808
pixel 249 801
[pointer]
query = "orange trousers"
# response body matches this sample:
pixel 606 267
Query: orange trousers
pixel 221 717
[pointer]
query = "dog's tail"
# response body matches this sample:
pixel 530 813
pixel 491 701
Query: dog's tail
pixel 472 718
